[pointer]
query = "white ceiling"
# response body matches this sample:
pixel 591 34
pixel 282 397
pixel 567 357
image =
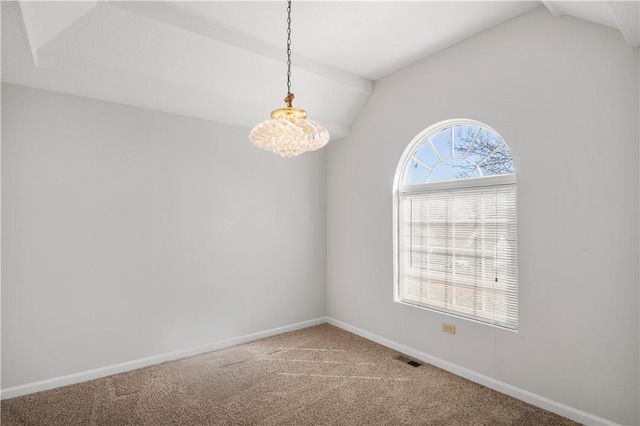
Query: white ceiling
pixel 225 61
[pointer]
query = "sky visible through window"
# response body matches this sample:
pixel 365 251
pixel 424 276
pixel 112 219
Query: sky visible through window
pixel 459 152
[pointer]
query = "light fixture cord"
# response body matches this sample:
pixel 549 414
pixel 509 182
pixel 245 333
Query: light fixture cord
pixel 290 96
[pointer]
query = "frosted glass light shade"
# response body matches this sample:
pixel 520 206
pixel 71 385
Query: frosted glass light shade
pixel 288 133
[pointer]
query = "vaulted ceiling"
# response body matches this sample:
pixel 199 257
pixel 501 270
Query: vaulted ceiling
pixel 225 61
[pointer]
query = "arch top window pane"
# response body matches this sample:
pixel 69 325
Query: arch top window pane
pixel 416 174
pixel 475 151
pixel 485 143
pixel 452 169
pixel 498 163
pixel 442 142
pixel 463 136
pixel 426 155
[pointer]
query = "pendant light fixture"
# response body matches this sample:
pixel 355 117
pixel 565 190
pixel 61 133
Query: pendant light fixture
pixel 289 133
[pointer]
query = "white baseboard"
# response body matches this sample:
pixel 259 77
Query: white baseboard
pixel 507 389
pixel 152 360
pixel 531 398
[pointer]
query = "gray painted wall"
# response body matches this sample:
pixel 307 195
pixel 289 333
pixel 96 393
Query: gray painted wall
pixel 564 95
pixel 128 233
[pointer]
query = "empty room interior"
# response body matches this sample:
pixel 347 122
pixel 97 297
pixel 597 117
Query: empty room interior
pixel 464 193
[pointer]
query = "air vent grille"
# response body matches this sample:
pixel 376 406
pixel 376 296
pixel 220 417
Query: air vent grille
pixel 409 361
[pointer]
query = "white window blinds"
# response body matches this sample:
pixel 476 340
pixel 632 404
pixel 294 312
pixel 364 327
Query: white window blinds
pixel 457 251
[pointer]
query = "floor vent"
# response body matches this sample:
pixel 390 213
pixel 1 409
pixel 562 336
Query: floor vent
pixel 408 361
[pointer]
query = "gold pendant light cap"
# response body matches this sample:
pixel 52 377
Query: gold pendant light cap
pixel 289 113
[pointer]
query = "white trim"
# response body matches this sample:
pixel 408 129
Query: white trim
pixel 152 360
pixel 425 136
pixel 505 388
pixel 521 394
pixel 476 182
pixel 399 189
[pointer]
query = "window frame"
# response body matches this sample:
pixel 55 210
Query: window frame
pixel 400 189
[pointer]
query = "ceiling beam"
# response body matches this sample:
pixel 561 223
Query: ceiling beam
pixel 43 21
pixel 626 15
pixel 171 15
pixel 553 8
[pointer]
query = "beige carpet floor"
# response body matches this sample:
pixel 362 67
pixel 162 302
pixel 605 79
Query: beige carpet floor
pixel 321 375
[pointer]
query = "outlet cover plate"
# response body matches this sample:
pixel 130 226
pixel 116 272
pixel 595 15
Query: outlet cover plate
pixel 448 328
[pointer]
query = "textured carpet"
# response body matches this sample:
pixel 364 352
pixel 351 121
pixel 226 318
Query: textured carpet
pixel 317 376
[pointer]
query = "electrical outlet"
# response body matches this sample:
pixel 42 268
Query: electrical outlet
pixel 449 328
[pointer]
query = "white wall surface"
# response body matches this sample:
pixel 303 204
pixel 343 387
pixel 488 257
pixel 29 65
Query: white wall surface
pixel 129 233
pixel 564 95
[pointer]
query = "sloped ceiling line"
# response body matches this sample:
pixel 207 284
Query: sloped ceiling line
pixel 44 21
pixel 154 55
pixel 171 15
pixel 626 16
pixel 623 16
pixel 553 8
pixel 225 61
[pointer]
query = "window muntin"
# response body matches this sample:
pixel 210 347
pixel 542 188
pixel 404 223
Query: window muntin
pixel 455 224
pixel 459 151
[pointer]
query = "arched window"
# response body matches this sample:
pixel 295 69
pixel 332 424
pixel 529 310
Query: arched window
pixel 455 231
